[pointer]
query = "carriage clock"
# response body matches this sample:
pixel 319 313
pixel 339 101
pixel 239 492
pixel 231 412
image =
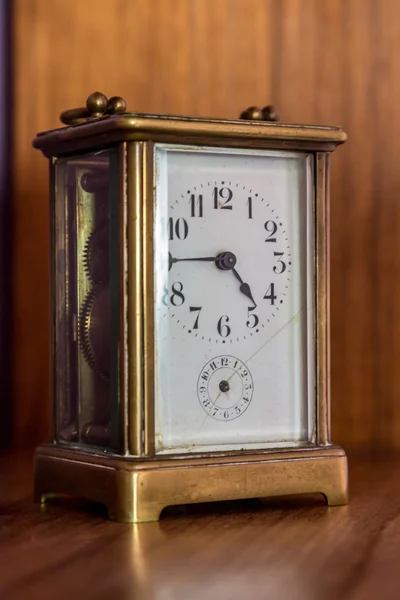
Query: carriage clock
pixel 190 310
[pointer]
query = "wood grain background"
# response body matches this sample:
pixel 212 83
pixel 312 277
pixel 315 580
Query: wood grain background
pixel 5 210
pixel 319 61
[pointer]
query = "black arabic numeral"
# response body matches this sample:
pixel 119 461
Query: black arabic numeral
pixel 253 319
pixel 177 297
pixel 250 207
pixel 280 266
pixel 223 329
pixel 198 310
pixel 180 229
pixel 223 194
pixel 271 227
pixel 270 294
pixel 196 206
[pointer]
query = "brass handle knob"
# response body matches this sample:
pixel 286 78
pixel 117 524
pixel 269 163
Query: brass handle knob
pixel 253 113
pixel 97 105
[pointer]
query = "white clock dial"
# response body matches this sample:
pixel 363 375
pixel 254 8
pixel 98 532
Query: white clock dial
pixel 251 279
pixel 234 299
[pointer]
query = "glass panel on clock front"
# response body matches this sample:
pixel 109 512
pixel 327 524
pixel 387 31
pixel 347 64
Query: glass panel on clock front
pixel 234 304
pixel 86 307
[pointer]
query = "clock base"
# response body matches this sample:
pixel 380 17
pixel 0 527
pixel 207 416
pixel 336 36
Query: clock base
pixel 136 490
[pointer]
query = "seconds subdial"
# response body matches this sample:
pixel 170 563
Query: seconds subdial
pixel 225 388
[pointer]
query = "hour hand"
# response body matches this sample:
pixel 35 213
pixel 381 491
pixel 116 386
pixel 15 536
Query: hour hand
pixel 244 287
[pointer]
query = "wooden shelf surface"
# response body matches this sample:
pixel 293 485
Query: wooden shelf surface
pixel 290 548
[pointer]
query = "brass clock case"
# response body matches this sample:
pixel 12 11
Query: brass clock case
pixel 133 482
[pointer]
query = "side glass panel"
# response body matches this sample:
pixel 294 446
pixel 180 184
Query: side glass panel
pixel 86 292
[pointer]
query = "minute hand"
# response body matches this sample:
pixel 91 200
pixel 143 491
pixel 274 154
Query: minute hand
pixel 204 259
pixel 224 260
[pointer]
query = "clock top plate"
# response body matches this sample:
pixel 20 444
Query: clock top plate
pixel 106 130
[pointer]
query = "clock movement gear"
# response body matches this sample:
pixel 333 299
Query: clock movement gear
pixel 96 255
pixel 94 330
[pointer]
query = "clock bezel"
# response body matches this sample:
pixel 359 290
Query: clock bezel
pixel 164 155
pixel 140 204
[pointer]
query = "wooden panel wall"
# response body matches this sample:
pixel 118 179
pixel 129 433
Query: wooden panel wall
pixel 5 208
pixel 319 61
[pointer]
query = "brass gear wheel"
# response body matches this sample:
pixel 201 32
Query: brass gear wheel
pixel 95 330
pixel 96 255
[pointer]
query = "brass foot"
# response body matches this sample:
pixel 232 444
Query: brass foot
pixel 136 491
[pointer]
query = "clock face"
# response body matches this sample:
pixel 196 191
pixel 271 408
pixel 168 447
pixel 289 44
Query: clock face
pixel 234 306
